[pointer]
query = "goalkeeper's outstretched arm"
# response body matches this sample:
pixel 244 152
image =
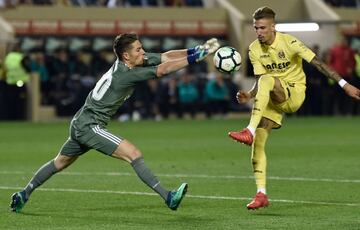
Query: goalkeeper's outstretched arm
pixel 173 54
pixel 175 64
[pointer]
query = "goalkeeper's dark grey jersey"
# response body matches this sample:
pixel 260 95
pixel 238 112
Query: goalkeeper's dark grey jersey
pixel 111 91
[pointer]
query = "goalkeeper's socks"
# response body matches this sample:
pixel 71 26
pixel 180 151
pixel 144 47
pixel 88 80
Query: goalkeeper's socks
pixel 42 175
pixel 148 177
pixel 262 190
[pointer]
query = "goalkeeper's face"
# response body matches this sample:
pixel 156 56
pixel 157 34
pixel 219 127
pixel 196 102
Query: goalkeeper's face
pixel 135 55
pixel 265 30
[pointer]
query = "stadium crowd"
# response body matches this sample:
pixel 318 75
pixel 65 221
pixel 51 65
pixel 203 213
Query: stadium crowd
pixel 142 3
pixel 104 3
pixel 67 77
pixel 343 3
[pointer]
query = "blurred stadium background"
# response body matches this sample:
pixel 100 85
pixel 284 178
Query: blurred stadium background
pixel 66 45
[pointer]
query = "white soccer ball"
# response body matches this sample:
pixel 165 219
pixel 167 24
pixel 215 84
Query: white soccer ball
pixel 227 60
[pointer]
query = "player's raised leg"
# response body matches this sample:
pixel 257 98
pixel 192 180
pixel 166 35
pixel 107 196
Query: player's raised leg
pixel 267 88
pixel 131 154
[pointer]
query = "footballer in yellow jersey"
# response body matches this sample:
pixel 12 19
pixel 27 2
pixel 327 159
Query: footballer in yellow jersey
pixel 279 88
pixel 281 59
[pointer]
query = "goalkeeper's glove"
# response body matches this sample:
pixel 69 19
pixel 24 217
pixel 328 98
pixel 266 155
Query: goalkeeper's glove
pixel 212 45
pixel 198 56
pixel 192 50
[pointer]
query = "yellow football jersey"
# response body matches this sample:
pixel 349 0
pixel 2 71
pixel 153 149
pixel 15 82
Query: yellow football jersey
pixel 282 59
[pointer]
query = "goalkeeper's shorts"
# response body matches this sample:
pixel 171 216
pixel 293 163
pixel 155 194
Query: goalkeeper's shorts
pixel 96 137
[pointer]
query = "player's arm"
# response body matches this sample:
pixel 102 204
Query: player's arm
pixel 325 69
pixel 244 97
pixel 254 89
pixel 173 65
pixel 173 55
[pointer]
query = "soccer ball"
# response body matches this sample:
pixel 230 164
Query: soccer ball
pixel 227 60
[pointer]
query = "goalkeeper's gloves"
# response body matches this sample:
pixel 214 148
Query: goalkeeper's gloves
pixel 211 45
pixel 192 50
pixel 198 56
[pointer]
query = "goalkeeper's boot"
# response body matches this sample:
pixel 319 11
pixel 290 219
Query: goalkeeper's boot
pixel 174 197
pixel 259 201
pixel 244 136
pixel 18 201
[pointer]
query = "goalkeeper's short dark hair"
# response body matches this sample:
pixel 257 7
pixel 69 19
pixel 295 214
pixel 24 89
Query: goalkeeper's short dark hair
pixel 264 12
pixel 122 43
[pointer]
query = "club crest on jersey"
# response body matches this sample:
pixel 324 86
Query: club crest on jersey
pixel 281 54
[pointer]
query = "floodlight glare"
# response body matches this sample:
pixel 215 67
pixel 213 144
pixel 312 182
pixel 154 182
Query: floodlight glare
pixel 297 27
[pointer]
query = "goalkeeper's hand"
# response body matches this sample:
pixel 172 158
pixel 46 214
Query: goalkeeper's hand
pixel 211 45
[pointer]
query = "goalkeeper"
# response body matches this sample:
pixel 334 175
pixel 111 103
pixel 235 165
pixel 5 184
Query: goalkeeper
pixel 279 88
pixel 88 127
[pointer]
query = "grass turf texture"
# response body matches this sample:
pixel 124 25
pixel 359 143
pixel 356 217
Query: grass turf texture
pixel 97 192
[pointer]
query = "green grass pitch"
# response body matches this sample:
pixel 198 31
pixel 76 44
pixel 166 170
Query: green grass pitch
pixel 313 170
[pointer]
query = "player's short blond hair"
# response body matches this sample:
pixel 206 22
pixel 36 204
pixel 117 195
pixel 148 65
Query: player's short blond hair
pixel 264 12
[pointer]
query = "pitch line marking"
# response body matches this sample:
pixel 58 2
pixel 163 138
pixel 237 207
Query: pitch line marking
pixel 190 196
pixel 204 176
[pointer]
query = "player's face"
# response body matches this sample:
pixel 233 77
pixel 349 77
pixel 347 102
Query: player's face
pixel 135 56
pixel 265 30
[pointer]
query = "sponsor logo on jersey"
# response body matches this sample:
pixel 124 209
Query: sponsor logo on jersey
pixel 273 66
pixel 264 55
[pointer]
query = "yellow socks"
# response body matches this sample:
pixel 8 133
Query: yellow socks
pixel 258 158
pixel 265 86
